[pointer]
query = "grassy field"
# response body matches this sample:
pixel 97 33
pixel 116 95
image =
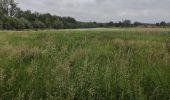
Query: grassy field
pixel 93 64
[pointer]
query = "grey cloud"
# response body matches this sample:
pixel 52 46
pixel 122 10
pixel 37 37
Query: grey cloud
pixel 103 10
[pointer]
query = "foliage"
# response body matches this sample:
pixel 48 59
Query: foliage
pixel 101 64
pixel 38 24
pixel 34 20
pixel 8 7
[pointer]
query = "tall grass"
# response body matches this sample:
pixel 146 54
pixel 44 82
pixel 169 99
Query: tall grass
pixel 104 64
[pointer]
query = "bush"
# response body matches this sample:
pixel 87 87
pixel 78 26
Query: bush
pixel 1 24
pixel 58 25
pixel 38 25
pixel 7 23
pixel 26 23
pixel 19 24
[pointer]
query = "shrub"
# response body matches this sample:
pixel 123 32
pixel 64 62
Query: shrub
pixel 38 25
pixel 26 23
pixel 1 24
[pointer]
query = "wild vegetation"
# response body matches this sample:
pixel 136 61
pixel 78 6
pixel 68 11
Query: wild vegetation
pixel 108 63
pixel 104 64
pixel 14 18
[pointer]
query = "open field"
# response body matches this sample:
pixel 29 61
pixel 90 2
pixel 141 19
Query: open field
pixel 104 64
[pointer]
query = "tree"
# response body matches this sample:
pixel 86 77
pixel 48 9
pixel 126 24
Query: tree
pixel 157 24
pixel 58 24
pixel 38 25
pixel 137 23
pixel 1 8
pixel 163 23
pixel 1 24
pixel 110 24
pixel 25 23
pixel 168 24
pixel 126 23
pixel 7 23
pixel 118 24
pixel 68 20
pixel 8 7
pixel 28 15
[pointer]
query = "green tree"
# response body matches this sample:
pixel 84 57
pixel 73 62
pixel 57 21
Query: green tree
pixel 8 7
pixel 110 24
pixel 163 24
pixel 137 24
pixel 38 25
pixel 1 25
pixel 7 23
pixel 47 19
pixel 27 24
pixel 126 23
pixel 58 24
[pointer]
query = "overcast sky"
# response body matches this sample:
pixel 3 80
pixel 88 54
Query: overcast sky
pixel 103 10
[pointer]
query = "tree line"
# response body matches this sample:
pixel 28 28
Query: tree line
pixel 13 18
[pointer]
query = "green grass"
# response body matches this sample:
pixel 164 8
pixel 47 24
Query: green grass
pixel 97 64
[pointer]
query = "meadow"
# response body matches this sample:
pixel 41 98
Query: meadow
pixel 85 64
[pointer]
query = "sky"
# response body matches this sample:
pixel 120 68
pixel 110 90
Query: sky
pixel 149 11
